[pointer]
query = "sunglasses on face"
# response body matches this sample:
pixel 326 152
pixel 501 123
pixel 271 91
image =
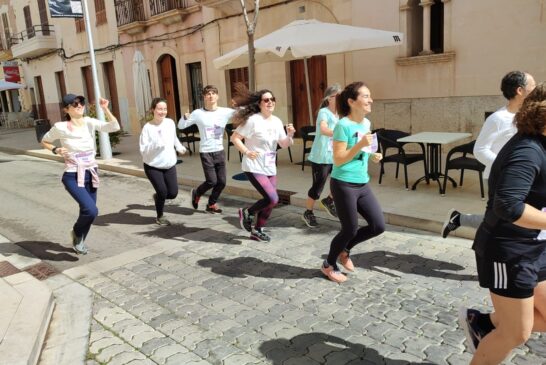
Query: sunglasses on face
pixel 271 99
pixel 75 103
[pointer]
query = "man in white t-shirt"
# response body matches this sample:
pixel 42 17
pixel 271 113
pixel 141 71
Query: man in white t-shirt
pixel 496 131
pixel 211 121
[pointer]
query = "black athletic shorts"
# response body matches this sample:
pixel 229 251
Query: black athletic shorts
pixel 514 279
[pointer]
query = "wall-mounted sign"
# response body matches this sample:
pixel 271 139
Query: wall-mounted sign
pixel 65 8
pixel 11 71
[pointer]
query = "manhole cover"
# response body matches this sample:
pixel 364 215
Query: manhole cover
pixel 7 269
pixel 42 271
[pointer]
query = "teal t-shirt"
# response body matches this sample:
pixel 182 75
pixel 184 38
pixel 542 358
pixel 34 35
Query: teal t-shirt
pixel 356 170
pixel 321 151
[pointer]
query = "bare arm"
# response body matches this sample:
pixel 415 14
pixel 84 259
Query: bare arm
pixel 531 218
pixel 343 155
pixel 324 130
pixel 237 141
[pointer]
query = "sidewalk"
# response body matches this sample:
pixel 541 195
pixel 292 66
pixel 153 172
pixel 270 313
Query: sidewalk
pixel 423 208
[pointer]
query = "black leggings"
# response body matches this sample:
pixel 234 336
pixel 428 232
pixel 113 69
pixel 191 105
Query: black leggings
pixel 350 200
pixel 165 184
pixel 320 175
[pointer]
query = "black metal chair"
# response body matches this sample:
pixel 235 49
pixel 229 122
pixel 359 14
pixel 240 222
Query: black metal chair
pixel 304 132
pixel 463 162
pixel 288 148
pixel 229 132
pixel 188 135
pixel 388 141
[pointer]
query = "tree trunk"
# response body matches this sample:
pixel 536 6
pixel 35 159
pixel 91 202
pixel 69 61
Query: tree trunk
pixel 251 63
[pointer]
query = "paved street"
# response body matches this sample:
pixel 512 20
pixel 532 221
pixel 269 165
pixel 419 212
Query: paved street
pixel 201 292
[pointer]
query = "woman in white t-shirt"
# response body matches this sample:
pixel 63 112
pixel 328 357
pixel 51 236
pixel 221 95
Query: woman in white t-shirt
pixel 158 142
pixel 261 131
pixel 80 178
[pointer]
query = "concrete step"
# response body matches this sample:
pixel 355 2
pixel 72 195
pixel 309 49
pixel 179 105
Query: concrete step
pixel 25 313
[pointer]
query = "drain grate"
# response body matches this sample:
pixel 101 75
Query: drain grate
pixel 7 269
pixel 284 196
pixel 42 271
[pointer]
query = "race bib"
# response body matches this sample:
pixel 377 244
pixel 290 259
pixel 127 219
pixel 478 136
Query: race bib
pixel 371 148
pixel 330 146
pixel 214 132
pixel 270 158
pixel 84 157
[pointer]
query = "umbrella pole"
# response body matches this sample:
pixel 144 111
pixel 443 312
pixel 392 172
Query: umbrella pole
pixel 307 85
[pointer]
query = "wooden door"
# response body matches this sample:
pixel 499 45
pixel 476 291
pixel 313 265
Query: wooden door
pixel 42 111
pixel 87 74
pixel 236 76
pixel 169 88
pixel 196 85
pixel 317 83
pixel 28 22
pixel 62 90
pixel 111 87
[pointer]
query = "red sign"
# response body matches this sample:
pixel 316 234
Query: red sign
pixel 11 73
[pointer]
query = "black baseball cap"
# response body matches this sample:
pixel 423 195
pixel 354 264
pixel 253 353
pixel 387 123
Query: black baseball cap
pixel 69 99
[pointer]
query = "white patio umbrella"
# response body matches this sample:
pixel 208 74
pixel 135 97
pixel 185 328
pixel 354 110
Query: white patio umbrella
pixel 142 88
pixel 6 85
pixel 307 38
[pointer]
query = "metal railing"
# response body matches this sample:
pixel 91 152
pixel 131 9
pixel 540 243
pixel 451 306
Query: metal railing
pixel 161 6
pixel 31 32
pixel 129 11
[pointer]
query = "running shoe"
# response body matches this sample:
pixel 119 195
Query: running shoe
pixel 328 205
pixel 162 221
pixel 310 219
pixel 345 261
pixel 332 273
pixel 468 321
pixel 78 244
pixel 245 219
pixel 452 222
pixel 194 199
pixel 213 209
pixel 259 235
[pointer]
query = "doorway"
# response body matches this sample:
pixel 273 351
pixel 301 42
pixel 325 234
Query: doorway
pixel 196 85
pixel 317 84
pixel 42 111
pixel 169 86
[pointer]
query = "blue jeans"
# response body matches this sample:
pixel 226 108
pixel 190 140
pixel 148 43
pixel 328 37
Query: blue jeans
pixel 87 199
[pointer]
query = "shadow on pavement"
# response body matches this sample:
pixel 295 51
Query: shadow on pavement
pixel 50 251
pixel 242 267
pixel 320 348
pixel 124 216
pixel 180 232
pixel 409 264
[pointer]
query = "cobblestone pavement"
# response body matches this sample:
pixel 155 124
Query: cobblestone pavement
pixel 215 297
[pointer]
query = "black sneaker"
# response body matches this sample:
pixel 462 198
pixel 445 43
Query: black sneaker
pixel 452 222
pixel 245 219
pixel 213 209
pixel 468 321
pixel 259 235
pixel 310 219
pixel 328 205
pixel 78 244
pixel 194 199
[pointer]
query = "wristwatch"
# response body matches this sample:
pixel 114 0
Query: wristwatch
pixel 54 150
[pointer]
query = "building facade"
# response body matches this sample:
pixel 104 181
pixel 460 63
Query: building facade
pixel 443 77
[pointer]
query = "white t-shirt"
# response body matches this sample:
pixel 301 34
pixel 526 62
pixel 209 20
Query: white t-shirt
pixel 79 139
pixel 496 131
pixel 211 125
pixel 158 144
pixel 261 135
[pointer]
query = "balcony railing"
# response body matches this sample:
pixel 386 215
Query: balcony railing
pixel 162 6
pixel 31 32
pixel 129 11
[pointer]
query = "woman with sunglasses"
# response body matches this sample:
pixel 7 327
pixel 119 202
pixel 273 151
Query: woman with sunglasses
pixel 158 143
pixel 261 131
pixel 349 182
pixel 321 156
pixel 80 178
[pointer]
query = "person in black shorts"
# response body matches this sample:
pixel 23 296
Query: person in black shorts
pixel 510 244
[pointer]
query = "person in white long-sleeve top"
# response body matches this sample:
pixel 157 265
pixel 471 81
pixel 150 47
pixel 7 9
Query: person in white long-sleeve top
pixel 158 146
pixel 78 148
pixel 496 131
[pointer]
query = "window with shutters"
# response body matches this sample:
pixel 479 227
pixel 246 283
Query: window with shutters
pixel 100 12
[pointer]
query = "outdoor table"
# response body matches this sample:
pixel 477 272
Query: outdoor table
pixel 434 142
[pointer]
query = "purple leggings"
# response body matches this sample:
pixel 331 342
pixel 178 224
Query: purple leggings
pixel 267 186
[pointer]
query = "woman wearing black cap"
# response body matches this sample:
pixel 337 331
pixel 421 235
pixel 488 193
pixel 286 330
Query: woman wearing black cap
pixel 80 178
